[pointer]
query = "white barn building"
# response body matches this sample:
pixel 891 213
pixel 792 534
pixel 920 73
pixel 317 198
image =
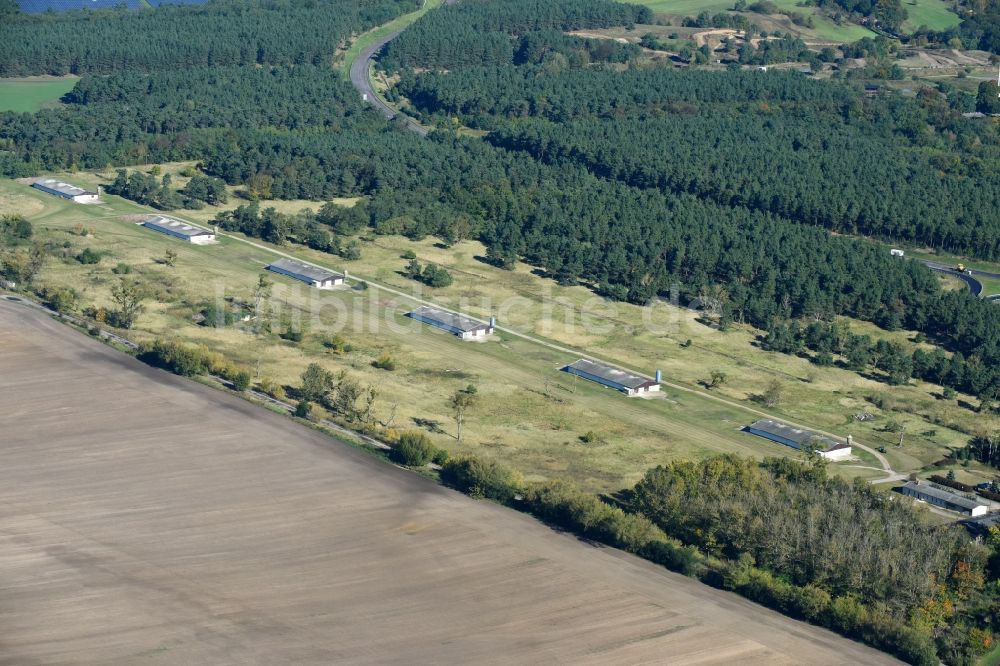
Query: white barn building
pixel 797 438
pixel 456 324
pixel 179 229
pixel 931 494
pixel 314 276
pixel 612 377
pixel 66 191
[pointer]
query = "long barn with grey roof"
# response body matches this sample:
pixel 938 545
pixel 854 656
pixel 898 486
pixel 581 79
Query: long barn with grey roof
pixel 612 377
pixel 928 492
pixel 315 276
pixel 66 191
pixel 179 229
pixel 456 324
pixel 798 439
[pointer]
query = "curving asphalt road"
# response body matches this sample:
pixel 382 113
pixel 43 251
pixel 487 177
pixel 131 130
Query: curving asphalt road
pixel 975 286
pixel 360 80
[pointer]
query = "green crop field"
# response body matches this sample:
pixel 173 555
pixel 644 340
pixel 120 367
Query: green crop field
pixel 935 14
pixel 531 414
pixel 27 95
pixel 686 7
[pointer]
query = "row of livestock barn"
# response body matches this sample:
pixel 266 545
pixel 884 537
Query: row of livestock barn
pixel 624 381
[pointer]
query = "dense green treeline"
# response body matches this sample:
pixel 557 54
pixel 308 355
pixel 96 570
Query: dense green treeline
pixel 477 31
pixel 220 33
pixel 628 242
pixel 829 175
pixel 797 523
pixel 485 95
pixel 842 541
pixel 958 321
pixel 133 118
pixel 467 47
pixel 812 152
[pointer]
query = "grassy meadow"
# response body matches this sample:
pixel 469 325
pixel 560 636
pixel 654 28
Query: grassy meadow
pixel 31 94
pixel 824 29
pixel 530 413
pixel 935 14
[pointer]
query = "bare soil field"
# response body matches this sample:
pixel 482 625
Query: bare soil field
pixel 148 519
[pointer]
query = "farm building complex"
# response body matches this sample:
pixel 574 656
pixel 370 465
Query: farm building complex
pixel 798 439
pixel 612 377
pixel 456 324
pixel 980 526
pixel 928 492
pixel 178 229
pixel 311 275
pixel 66 191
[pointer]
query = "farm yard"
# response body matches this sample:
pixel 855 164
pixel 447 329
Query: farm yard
pixel 532 415
pixel 26 95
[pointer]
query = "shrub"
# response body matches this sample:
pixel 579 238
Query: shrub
pixel 89 256
pixel 302 409
pixel 173 356
pixel 482 478
pixel 893 426
pixel 60 299
pixel 292 334
pixel 810 602
pixel 848 615
pixel 588 437
pixel 563 504
pixel 440 457
pixel 951 482
pixel 273 389
pixel 409 255
pixel 435 276
pixel 241 380
pixel 414 449
pixel 686 560
pixel 385 362
pixel 351 251
pixel 823 359
pixel 337 344
pixel 122 269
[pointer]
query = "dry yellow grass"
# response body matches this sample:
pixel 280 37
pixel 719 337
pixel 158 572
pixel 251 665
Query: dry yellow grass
pixel 530 413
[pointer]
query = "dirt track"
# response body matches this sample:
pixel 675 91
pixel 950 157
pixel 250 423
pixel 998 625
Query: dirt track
pixel 146 519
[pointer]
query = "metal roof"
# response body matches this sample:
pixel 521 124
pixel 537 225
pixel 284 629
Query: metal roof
pixel 797 435
pixel 64 188
pixel 173 226
pixel 944 495
pixel 314 273
pixel 981 524
pixel 449 319
pixel 611 374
